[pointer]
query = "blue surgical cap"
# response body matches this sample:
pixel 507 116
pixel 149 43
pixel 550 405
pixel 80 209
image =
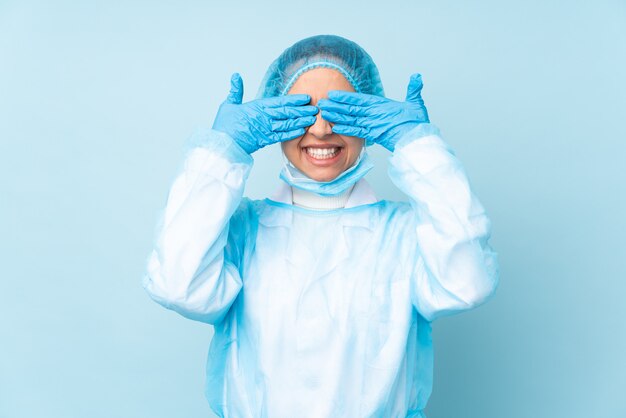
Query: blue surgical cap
pixel 329 51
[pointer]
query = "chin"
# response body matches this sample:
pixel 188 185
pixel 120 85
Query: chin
pixel 322 176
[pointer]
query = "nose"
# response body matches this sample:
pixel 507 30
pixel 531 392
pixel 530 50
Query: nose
pixel 321 128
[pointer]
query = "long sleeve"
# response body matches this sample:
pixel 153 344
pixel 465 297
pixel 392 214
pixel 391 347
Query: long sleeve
pixel 193 267
pixel 454 267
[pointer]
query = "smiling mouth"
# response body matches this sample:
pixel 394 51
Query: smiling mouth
pixel 322 153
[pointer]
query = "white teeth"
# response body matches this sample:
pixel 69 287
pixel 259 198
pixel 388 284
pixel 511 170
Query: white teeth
pixel 322 153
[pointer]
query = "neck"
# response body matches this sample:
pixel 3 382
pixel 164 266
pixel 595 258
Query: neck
pixel 315 201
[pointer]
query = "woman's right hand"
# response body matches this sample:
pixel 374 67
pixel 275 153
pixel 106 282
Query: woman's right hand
pixel 258 123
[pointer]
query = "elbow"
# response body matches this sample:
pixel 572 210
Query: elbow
pixel 482 292
pixel 207 298
pixel 167 297
pixel 473 274
pixel 483 281
pixel 491 276
pixel 449 304
pixel 464 290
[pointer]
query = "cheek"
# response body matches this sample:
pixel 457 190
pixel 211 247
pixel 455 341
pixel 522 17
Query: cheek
pixel 286 146
pixel 290 148
pixel 353 157
pixel 354 146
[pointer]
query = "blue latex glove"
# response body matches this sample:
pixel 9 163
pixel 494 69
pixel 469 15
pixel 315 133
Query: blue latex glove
pixel 375 118
pixel 258 123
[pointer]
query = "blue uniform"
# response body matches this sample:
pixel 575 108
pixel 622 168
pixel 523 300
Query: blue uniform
pixel 321 313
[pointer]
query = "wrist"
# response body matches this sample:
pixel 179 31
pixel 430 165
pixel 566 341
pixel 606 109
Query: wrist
pixel 235 137
pixel 398 133
pixel 219 142
pixel 416 131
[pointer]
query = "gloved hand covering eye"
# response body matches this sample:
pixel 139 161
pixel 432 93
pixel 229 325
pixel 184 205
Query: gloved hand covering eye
pixel 258 123
pixel 374 118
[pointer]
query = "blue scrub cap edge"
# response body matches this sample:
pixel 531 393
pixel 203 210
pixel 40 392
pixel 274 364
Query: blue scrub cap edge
pixel 317 64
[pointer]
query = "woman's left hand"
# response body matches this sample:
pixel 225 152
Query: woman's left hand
pixel 374 118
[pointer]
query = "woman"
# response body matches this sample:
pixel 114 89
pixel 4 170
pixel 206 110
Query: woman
pixel 321 296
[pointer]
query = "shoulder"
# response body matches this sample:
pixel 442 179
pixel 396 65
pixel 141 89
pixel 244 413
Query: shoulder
pixel 248 209
pixel 246 216
pixel 393 218
pixel 394 209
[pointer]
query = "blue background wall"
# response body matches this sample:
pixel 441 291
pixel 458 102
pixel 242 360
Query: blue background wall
pixel 97 100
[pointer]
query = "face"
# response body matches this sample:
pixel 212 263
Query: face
pixel 320 153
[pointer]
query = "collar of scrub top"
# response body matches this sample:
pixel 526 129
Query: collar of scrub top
pixel 362 194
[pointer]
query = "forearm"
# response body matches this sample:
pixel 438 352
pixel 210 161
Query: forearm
pixel 455 268
pixel 187 270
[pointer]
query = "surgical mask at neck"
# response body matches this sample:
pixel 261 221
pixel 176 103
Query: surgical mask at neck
pixel 296 178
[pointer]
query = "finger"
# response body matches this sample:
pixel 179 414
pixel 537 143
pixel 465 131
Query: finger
pixel 414 90
pixel 292 124
pixel 340 118
pixel 289 112
pixel 288 100
pixel 351 131
pixel 235 96
pixel 287 136
pixel 346 109
pixel 360 99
